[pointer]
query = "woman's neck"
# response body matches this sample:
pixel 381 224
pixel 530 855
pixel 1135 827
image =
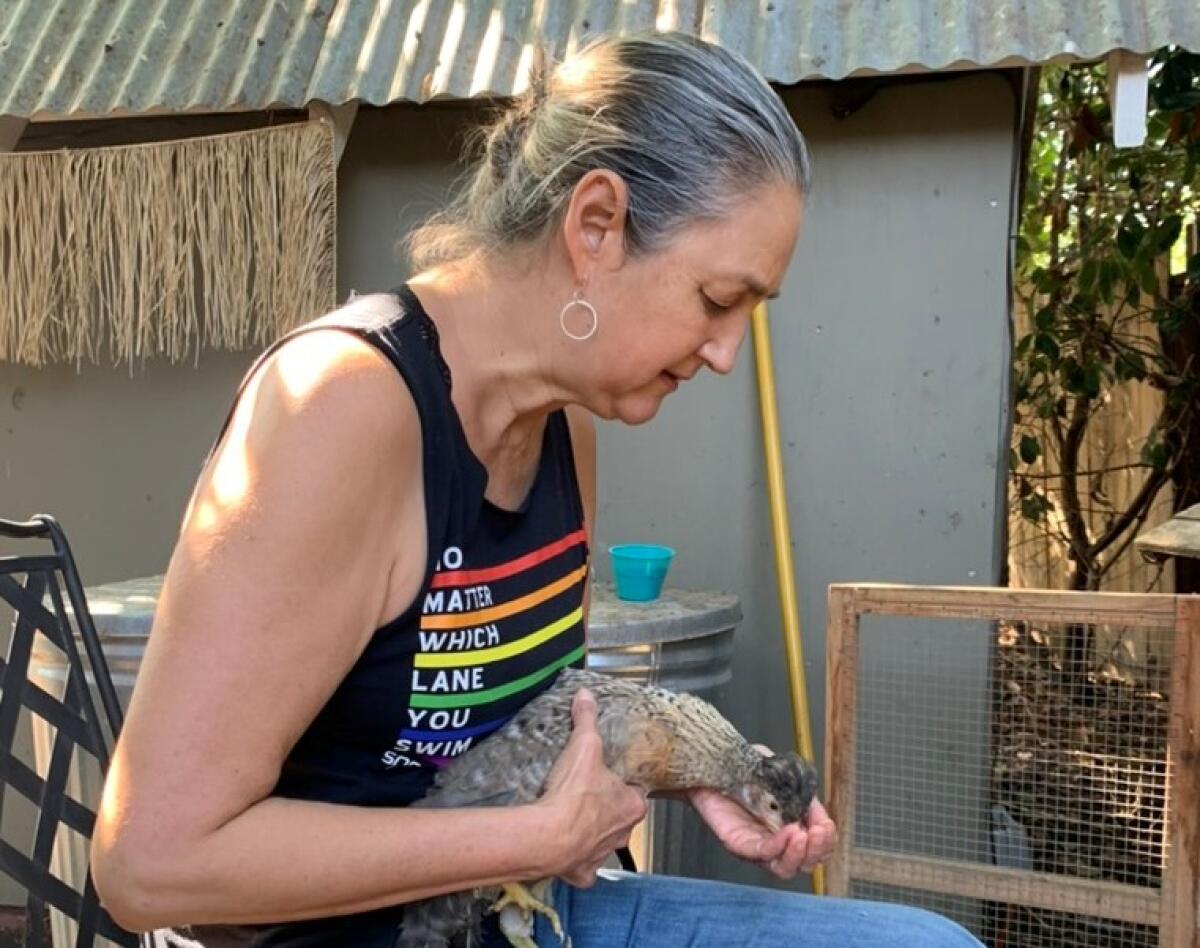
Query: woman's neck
pixel 496 345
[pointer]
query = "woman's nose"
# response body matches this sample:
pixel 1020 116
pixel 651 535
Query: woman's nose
pixel 720 352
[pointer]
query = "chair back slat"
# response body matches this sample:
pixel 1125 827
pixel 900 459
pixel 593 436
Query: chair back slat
pixel 73 734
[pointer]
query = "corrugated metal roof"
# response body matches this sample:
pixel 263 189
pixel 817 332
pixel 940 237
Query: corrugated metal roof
pixel 69 57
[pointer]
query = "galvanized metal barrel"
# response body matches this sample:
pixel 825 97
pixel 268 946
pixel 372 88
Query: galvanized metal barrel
pixel 123 613
pixel 682 641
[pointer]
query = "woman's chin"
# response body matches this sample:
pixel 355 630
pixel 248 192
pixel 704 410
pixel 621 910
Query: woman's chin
pixel 637 411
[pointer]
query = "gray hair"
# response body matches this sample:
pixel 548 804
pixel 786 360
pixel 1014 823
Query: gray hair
pixel 690 128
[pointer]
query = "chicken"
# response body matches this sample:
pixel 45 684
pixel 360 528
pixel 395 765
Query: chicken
pixel 654 739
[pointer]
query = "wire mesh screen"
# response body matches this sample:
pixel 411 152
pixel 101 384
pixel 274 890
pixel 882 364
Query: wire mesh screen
pixel 1080 764
pixel 1010 770
pixel 922 742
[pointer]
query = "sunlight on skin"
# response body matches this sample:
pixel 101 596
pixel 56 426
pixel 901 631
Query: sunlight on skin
pixel 298 370
pixel 301 366
pixel 114 794
pixel 231 473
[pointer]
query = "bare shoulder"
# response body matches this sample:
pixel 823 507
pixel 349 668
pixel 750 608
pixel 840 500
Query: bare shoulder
pixel 327 386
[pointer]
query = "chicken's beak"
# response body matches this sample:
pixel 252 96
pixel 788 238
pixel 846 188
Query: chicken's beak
pixel 753 802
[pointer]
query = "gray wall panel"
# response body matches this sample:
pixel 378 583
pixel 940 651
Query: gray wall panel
pixel 890 346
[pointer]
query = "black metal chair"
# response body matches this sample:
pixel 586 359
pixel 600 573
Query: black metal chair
pixel 44 592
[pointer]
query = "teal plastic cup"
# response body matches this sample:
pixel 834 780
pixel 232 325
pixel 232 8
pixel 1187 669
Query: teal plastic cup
pixel 639 570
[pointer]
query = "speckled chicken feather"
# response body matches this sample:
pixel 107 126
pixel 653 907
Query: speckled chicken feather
pixel 655 739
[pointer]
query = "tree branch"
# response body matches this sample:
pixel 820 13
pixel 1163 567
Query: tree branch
pixel 1141 501
pixel 1076 525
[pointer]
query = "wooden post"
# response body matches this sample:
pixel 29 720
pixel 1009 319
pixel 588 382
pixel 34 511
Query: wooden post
pixel 841 705
pixel 1180 926
pixel 1128 90
pixel 340 118
pixel 11 129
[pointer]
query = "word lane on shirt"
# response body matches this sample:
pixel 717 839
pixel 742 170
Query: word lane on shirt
pixel 485 639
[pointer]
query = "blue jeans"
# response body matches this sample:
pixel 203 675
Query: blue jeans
pixel 647 911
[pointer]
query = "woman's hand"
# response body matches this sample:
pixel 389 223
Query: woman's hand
pixel 796 847
pixel 595 809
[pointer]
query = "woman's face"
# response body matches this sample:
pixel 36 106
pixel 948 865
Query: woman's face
pixel 666 315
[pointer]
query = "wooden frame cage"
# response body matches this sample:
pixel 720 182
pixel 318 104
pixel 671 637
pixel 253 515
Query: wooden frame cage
pixel 955 854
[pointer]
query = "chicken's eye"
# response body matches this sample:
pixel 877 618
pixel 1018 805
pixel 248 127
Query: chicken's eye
pixel 773 805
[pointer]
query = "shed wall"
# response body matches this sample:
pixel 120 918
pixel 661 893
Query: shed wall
pixel 891 352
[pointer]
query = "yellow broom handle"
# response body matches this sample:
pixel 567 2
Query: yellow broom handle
pixel 777 491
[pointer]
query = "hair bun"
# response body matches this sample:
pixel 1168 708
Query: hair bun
pixel 507 138
pixel 686 125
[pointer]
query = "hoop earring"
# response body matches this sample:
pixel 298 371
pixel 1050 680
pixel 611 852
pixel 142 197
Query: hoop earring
pixel 578 300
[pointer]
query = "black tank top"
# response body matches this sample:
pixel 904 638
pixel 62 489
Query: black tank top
pixel 498 615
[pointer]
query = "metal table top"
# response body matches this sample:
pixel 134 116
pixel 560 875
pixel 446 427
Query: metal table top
pixel 126 609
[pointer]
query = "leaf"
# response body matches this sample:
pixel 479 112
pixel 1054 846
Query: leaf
pixel 1110 275
pixel 1046 345
pixel 1030 449
pixel 1154 454
pixel 1168 233
pixel 1129 236
pixel 1043 280
pixel 1178 101
pixel 1044 318
pixel 1072 375
pixel 1130 365
pixel 1087 274
pixel 1034 507
pixel 1031 510
pixel 1148 278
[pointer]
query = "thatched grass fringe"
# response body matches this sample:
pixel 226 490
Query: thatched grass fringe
pixel 162 249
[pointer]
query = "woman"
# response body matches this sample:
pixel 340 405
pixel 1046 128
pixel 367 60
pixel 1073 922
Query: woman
pixel 385 557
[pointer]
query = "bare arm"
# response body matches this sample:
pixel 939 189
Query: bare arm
pixel 297 545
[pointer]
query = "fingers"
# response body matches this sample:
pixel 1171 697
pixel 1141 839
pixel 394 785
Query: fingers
pixel 769 848
pixel 636 807
pixel 822 836
pixel 584 710
pixel 804 848
pixel 602 808
pixel 817 815
pixel 585 877
pixel 794 845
